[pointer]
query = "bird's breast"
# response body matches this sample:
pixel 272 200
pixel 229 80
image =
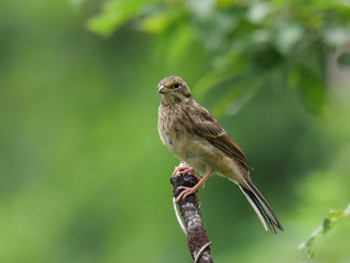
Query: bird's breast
pixel 171 127
pixel 175 132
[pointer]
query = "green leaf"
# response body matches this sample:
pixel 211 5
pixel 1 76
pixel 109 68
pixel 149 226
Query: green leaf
pixel 337 214
pixel 156 24
pixel 307 246
pixel 328 223
pixel 312 253
pixel 114 14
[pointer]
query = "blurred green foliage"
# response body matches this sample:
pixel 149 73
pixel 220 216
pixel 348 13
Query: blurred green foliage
pixel 84 176
pixel 283 44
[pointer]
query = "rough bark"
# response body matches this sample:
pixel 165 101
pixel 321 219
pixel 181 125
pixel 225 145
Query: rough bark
pixel 198 241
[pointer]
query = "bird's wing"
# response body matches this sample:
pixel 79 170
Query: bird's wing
pixel 207 126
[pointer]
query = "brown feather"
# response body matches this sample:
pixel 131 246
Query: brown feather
pixel 207 126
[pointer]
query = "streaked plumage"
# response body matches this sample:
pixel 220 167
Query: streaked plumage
pixel 196 138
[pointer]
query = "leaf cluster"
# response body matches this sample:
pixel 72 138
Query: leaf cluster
pixel 253 44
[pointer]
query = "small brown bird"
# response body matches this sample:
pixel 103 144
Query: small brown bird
pixel 195 137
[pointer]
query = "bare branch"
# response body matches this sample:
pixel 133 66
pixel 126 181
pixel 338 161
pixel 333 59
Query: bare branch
pixel 198 242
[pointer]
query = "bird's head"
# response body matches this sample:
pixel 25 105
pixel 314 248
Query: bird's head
pixel 174 89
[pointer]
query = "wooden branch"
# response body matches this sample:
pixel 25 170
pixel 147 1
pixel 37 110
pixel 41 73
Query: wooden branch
pixel 198 242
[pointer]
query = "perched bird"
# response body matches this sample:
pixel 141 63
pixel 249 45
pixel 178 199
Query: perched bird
pixel 195 137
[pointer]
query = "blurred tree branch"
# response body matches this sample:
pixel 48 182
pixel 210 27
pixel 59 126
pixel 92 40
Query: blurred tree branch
pixel 198 241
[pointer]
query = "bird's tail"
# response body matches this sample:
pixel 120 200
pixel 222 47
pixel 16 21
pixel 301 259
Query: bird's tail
pixel 261 207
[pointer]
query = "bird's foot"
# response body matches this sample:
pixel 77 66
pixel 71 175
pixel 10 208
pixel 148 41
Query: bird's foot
pixel 184 169
pixel 186 191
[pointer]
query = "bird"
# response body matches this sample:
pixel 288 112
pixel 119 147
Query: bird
pixel 194 136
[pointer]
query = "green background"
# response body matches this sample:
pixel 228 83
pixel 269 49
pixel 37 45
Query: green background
pixel 85 178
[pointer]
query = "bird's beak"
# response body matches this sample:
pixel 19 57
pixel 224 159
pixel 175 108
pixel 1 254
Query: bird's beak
pixel 161 89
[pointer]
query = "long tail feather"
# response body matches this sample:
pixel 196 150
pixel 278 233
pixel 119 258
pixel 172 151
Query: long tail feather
pixel 261 207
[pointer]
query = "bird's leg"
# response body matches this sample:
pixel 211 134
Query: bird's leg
pixel 188 190
pixel 184 169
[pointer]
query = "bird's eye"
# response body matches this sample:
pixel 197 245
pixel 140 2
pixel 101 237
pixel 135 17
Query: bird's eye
pixel 176 85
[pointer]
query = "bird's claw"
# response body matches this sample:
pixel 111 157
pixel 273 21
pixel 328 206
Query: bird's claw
pixel 184 169
pixel 186 192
